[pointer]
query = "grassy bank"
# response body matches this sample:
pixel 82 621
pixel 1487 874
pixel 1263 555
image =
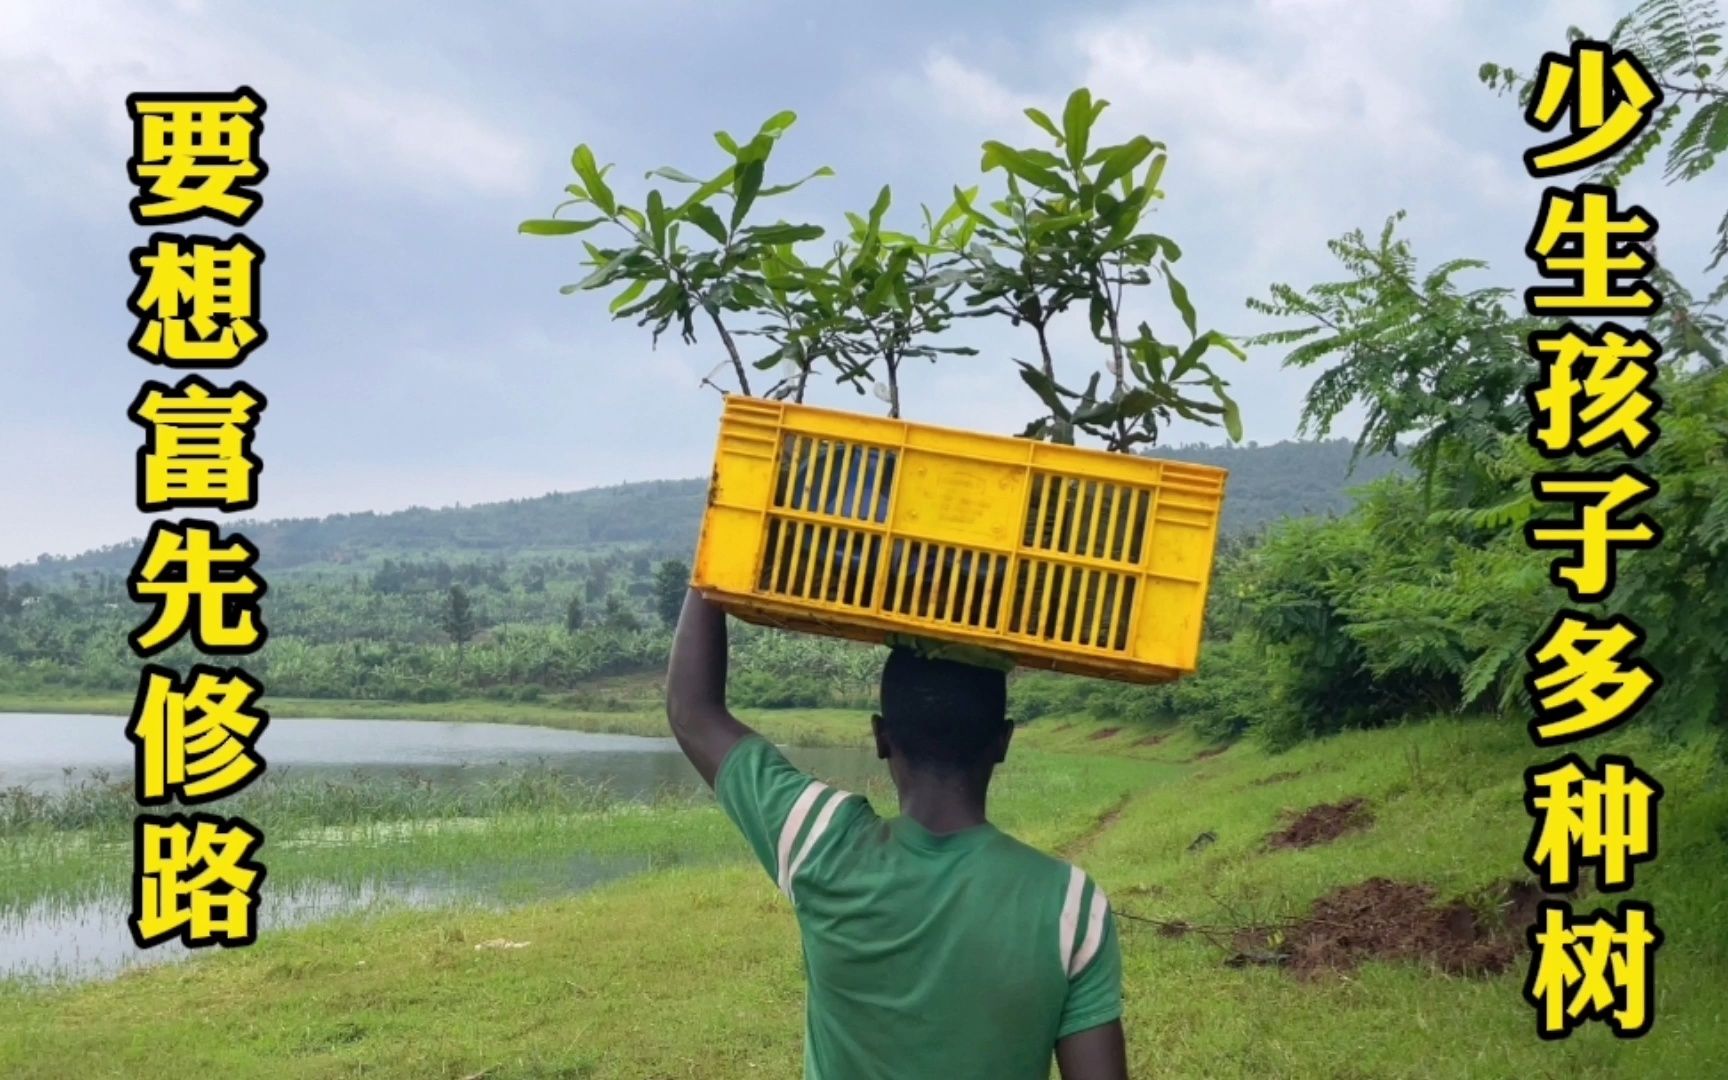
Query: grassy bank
pixel 694 971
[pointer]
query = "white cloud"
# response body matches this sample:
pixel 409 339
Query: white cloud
pixel 345 115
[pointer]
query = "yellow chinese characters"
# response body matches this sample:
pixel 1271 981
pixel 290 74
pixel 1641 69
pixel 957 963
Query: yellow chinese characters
pixel 1595 534
pixel 196 301
pixel 1578 85
pixel 1597 968
pixel 1581 682
pixel 199 446
pixel 199 586
pixel 1605 819
pixel 196 743
pixel 1584 240
pixel 1594 390
pixel 194 879
pixel 1610 400
pixel 195 154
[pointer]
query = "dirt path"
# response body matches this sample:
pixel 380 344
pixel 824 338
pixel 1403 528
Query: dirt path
pixel 1102 824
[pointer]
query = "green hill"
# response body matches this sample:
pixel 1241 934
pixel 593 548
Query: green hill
pixel 1266 483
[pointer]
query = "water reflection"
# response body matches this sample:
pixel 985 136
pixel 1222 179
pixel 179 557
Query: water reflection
pixel 81 932
pixel 55 941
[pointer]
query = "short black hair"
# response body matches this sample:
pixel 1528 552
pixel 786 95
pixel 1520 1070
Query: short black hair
pixel 941 714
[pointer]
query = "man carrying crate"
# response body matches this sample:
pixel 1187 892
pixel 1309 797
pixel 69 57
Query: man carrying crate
pixel 935 945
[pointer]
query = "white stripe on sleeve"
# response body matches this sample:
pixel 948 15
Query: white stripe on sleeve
pixel 816 831
pixel 794 823
pixel 1094 933
pixel 1070 916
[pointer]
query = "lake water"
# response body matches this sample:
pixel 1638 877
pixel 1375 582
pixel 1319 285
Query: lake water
pixel 76 938
pixel 44 752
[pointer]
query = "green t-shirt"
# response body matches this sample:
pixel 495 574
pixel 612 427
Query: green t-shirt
pixel 955 956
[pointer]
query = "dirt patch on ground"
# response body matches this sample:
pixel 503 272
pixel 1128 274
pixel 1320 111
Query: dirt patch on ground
pixel 1382 919
pixel 1152 740
pixel 1322 824
pixel 1275 778
pixel 1107 733
pixel 1210 752
pixel 1063 727
pixel 1099 827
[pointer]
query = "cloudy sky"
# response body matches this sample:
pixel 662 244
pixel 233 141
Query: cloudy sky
pixel 419 350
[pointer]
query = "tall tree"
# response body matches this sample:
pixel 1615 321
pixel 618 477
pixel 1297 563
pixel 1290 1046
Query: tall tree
pixel 618 616
pixel 671 579
pixel 457 618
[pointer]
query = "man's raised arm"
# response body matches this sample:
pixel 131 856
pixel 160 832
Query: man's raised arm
pixel 696 687
pixel 1098 1054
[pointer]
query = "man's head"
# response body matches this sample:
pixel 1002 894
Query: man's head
pixel 941 718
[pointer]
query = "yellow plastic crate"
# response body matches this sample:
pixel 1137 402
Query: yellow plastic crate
pixel 863 527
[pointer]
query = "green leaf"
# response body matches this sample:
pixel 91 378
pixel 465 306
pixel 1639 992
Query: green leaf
pixel 1155 172
pixel 1044 226
pixel 1047 390
pixel 868 242
pixel 704 218
pixel 1044 159
pixel 1091 395
pixel 707 190
pixel 1001 156
pixel 902 298
pixel 1121 220
pixel 1096 312
pixel 1037 116
pixel 556 226
pixel 880 207
pixel 781 233
pixel 963 199
pixel 1135 402
pixel 672 174
pixel 1179 297
pixel 744 189
pixel 606 274
pixel 657 219
pixel 781 189
pixel 1190 357
pixel 1122 160
pixel 624 298
pixel 726 143
pixel 778 123
pixel 582 160
pixel 1226 344
pixel 1232 418
pixel 770 360
pixel 1077 125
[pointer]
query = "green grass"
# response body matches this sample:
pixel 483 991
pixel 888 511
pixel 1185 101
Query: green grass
pixel 693 970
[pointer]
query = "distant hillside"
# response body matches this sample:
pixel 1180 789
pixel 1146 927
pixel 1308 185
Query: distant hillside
pixel 1286 479
pixel 1266 483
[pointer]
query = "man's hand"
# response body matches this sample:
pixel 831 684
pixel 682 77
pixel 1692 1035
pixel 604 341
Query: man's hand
pixel 696 687
pixel 1098 1053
